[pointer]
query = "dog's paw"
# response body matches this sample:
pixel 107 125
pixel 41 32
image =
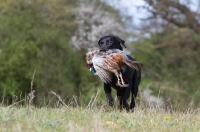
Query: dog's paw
pixel 110 102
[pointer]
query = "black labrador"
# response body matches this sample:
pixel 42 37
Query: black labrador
pixel 130 76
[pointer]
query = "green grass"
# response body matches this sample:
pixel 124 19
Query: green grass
pixel 68 119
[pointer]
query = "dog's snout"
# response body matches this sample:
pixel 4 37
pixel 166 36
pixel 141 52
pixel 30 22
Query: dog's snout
pixel 103 47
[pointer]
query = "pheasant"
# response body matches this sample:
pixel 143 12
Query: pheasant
pixel 111 61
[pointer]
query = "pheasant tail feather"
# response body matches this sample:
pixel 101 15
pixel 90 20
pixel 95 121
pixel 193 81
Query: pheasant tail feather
pixel 134 64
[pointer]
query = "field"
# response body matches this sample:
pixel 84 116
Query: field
pixel 79 119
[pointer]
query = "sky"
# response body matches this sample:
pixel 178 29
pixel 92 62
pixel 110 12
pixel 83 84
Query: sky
pixel 130 7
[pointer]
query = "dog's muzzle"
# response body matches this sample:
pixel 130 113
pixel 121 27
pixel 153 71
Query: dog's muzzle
pixel 105 48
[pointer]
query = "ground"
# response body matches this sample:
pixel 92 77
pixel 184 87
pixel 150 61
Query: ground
pixel 68 119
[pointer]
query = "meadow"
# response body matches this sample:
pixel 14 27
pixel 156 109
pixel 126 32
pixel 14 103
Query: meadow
pixel 90 118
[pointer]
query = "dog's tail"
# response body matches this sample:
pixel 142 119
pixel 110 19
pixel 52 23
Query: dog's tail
pixel 134 64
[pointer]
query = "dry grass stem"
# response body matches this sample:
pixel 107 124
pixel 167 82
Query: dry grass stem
pixel 92 101
pixel 31 95
pixel 59 98
pixel 16 103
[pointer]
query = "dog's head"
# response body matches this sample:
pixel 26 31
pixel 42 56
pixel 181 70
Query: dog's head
pixel 110 42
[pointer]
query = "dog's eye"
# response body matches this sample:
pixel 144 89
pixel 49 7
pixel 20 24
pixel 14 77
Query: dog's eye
pixel 110 42
pixel 100 44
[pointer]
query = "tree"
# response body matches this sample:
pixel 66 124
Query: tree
pixel 171 52
pixel 175 12
pixel 94 20
pixel 36 35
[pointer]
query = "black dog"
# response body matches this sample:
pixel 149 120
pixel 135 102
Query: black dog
pixel 130 76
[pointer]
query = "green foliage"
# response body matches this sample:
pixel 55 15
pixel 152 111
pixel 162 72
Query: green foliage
pixel 36 35
pixel 171 63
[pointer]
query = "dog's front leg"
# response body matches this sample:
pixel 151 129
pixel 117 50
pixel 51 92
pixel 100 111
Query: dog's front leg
pixel 107 89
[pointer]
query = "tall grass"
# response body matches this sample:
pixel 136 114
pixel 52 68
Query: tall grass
pixel 23 116
pixel 73 117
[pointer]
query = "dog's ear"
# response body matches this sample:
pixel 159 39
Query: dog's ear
pixel 99 41
pixel 121 42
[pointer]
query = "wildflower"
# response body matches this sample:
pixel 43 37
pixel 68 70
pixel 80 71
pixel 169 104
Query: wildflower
pixel 166 117
pixel 109 122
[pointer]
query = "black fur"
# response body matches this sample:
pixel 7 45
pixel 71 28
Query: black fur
pixel 130 75
pixel 110 42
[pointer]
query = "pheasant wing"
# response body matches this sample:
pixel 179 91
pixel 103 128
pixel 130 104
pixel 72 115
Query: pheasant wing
pixel 104 75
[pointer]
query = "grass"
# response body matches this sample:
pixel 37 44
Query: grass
pixel 68 119
pixel 74 118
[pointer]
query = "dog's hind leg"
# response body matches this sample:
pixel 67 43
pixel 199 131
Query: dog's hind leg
pixel 134 89
pixel 132 104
